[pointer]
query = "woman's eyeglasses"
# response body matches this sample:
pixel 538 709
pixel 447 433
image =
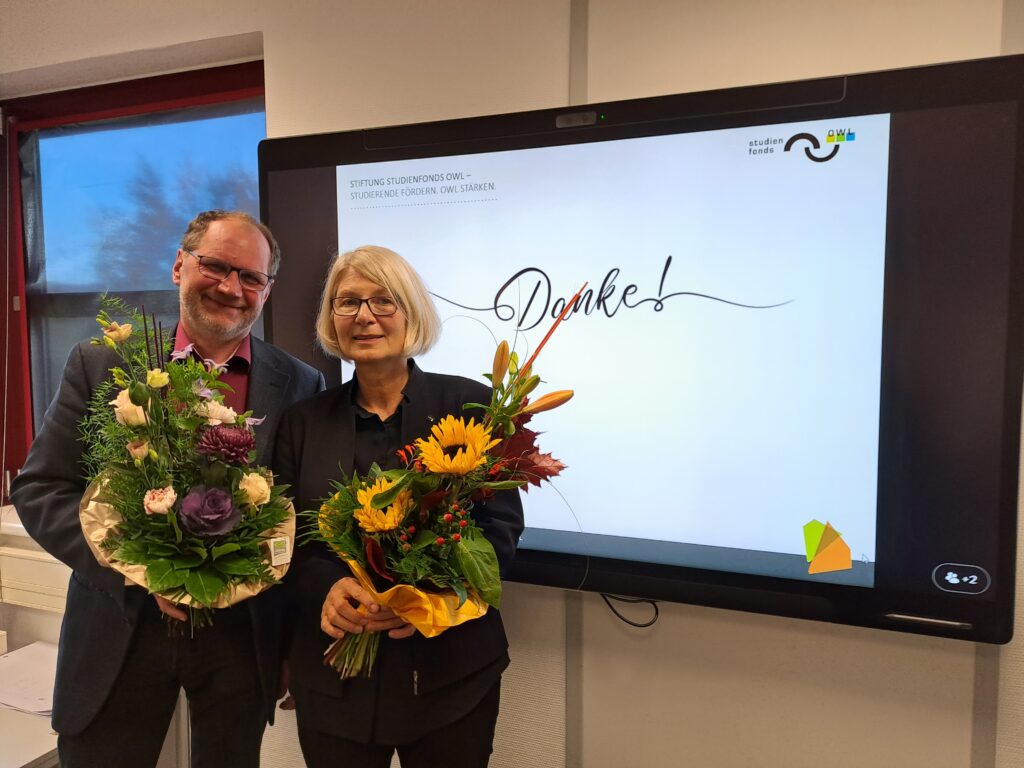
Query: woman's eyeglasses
pixel 380 306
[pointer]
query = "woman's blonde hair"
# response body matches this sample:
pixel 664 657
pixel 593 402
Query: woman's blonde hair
pixel 386 268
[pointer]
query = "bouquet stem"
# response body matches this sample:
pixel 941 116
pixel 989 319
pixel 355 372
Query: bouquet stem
pixel 353 655
pixel 198 618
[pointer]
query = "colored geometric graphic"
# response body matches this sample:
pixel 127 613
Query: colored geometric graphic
pixel 840 136
pixel 825 549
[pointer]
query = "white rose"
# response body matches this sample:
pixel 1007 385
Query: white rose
pixel 126 412
pixel 158 501
pixel 256 488
pixel 216 413
pixel 139 449
pixel 118 333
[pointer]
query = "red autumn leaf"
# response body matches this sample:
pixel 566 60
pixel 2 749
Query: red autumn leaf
pixel 375 558
pixel 523 442
pixel 546 465
pixel 429 502
pixel 534 468
pixel 521 418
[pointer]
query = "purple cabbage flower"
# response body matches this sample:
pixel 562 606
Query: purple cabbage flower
pixel 208 512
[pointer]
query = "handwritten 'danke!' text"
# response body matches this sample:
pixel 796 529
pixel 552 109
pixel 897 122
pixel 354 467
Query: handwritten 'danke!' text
pixel 541 305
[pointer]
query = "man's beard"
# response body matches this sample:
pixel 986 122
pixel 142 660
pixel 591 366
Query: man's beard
pixel 199 321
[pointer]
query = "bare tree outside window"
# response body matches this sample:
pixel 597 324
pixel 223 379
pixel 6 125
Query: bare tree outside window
pixel 136 241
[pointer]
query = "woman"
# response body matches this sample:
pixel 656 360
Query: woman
pixel 434 700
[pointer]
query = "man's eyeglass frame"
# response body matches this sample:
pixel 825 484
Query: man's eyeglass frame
pixel 206 262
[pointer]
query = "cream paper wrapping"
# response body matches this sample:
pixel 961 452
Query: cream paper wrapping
pixel 99 520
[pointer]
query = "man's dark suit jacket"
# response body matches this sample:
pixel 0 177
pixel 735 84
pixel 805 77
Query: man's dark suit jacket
pixel 317 438
pixel 101 612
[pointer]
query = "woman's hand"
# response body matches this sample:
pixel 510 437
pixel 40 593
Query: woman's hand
pixel 341 613
pixel 386 620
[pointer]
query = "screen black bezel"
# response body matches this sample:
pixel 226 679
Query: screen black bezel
pixel 974 82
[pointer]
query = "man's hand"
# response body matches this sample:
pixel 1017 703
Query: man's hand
pixel 170 609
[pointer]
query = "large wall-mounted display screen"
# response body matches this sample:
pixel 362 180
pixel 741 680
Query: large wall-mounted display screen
pixel 797 361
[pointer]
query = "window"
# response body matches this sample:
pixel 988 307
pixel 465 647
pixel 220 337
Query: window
pixel 110 202
pixel 100 201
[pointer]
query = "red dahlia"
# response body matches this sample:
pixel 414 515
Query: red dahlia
pixel 230 444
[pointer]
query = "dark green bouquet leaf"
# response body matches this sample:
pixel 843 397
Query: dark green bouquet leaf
pixel 132 552
pixel 163 576
pixel 188 561
pixel 387 498
pixel 501 485
pixel 224 549
pixel 235 565
pixel 479 564
pixel 205 585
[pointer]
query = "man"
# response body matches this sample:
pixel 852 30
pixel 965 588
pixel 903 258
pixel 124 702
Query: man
pixel 120 669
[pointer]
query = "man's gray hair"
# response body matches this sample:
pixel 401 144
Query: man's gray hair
pixel 198 226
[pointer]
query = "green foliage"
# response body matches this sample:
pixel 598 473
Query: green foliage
pixel 177 563
pixel 205 585
pixel 479 563
pixel 441 512
pixel 163 576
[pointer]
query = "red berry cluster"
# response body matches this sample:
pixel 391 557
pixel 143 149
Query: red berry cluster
pixel 453 522
pixel 404 537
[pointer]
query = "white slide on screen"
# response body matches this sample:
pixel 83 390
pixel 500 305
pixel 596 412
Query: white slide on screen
pixel 726 361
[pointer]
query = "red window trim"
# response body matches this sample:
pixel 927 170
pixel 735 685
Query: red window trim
pixel 17 384
pixel 81 105
pixel 136 97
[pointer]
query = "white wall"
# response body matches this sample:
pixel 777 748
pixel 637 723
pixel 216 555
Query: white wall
pixel 654 47
pixel 703 687
pixel 358 64
pixel 329 64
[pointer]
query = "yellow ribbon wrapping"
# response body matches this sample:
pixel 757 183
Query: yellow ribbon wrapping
pixel 430 612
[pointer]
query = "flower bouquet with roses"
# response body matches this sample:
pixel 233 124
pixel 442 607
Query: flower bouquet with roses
pixel 409 535
pixel 174 502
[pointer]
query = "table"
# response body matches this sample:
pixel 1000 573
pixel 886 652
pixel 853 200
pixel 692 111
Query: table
pixel 28 741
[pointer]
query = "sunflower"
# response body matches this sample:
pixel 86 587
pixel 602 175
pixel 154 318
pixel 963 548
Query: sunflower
pixel 379 520
pixel 455 447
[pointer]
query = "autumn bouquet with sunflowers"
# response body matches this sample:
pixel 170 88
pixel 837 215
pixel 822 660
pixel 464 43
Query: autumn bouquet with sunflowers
pixel 409 535
pixel 174 502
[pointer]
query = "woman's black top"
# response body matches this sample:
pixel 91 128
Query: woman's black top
pixel 419 684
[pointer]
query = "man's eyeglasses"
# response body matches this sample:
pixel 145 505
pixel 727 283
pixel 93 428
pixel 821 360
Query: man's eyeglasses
pixel 380 306
pixel 215 269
